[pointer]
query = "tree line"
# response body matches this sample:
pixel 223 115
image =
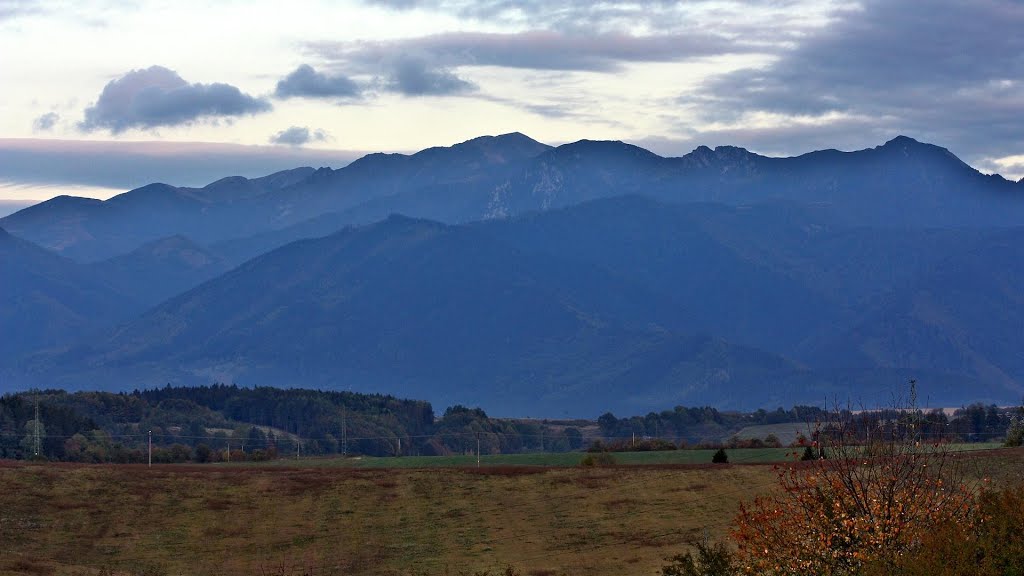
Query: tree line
pixel 229 422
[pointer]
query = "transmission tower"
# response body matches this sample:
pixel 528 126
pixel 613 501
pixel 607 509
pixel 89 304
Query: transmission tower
pixel 36 430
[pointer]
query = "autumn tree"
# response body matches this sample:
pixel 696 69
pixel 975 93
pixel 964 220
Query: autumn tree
pixel 869 502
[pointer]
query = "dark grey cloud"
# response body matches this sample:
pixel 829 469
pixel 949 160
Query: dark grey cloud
pixel 306 82
pixel 125 165
pixel 45 122
pixel 413 76
pixel 948 73
pixel 157 96
pixel 537 49
pixel 588 16
pixel 298 136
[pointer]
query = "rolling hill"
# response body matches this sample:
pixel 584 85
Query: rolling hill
pixel 47 300
pixel 412 306
pixel 160 269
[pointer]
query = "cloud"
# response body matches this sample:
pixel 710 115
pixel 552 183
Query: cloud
pixel 157 96
pixel 537 49
pixel 298 136
pixel 412 76
pixel 10 9
pixel 125 165
pixel 588 16
pixel 307 82
pixel 792 137
pixel 46 122
pixel 949 74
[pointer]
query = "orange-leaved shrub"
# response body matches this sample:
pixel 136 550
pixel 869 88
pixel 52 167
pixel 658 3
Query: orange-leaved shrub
pixel 871 502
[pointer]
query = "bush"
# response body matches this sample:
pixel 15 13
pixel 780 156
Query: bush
pixel 642 445
pixel 203 453
pixel 863 506
pixel 712 560
pixel 598 459
pixel 990 545
pixel 651 445
pixel 1015 433
pixel 770 441
pixel 720 457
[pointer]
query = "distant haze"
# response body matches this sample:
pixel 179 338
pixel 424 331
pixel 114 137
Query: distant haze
pixel 12 206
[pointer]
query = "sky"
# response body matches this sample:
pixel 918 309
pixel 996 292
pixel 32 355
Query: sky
pixel 100 97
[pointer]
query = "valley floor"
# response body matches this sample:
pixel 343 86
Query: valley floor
pixel 79 520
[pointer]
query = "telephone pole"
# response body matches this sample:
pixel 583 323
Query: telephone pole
pixel 150 448
pixel 477 449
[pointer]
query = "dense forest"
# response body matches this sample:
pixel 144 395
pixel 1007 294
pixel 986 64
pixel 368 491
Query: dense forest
pixel 228 422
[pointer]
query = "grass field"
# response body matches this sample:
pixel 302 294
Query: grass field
pixel 555 459
pixel 558 459
pixel 77 520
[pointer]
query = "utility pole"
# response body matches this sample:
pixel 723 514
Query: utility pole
pixel 477 449
pixel 399 446
pixel 297 447
pixel 150 448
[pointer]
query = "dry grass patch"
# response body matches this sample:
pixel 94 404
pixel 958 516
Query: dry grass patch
pixel 204 521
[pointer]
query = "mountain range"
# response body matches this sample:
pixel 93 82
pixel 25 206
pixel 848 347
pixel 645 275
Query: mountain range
pixel 903 183
pixel 537 280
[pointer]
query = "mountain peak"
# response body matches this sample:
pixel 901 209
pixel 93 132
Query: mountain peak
pixel 501 148
pixel 285 178
pixel 511 137
pixel 175 241
pixel 908 147
pixel 731 150
pixel 901 140
pixel 604 147
pixel 228 180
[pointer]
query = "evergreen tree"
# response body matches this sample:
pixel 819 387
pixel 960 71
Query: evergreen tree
pixel 808 454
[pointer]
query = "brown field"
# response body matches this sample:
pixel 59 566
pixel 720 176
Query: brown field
pixel 64 519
